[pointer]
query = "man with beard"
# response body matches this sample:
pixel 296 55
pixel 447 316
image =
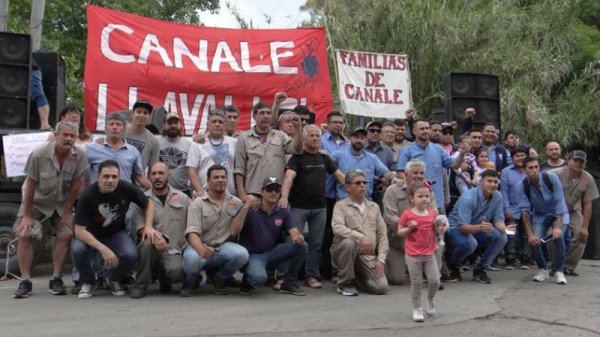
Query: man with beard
pixel 261 152
pixel 355 157
pixel 100 228
pixel 138 136
pixel 579 190
pixel 218 149
pixel 304 185
pixel 553 159
pixel 212 220
pixel 434 157
pixel 396 201
pixel 161 259
pixel 400 141
pixel 54 175
pixel 435 134
pixel 497 153
pixel 510 179
pixel 174 151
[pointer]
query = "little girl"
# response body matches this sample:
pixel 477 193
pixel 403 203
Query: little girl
pixel 417 226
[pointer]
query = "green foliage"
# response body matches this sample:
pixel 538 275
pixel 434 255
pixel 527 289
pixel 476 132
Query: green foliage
pixel 546 58
pixel 65 28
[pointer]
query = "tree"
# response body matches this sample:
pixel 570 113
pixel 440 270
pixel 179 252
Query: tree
pixel 545 52
pixel 65 26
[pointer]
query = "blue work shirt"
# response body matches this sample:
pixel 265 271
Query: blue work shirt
pixel 471 207
pixel 544 202
pixel 128 157
pixel 435 159
pixel 365 161
pixel 332 145
pixel 384 153
pixel 510 179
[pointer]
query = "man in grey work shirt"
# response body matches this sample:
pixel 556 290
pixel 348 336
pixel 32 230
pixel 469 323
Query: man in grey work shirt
pixel 174 151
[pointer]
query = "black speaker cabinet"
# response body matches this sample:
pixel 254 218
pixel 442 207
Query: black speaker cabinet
pixel 15 68
pixel 54 81
pixel 479 91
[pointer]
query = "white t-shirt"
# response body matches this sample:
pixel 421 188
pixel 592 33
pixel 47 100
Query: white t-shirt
pixel 203 156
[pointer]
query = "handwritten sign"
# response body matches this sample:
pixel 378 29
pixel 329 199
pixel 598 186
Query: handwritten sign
pixel 374 85
pixel 17 149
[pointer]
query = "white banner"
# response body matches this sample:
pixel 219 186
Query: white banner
pixel 17 149
pixel 374 85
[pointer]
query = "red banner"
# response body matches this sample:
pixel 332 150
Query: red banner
pixel 191 69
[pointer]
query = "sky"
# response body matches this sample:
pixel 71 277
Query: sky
pixel 283 13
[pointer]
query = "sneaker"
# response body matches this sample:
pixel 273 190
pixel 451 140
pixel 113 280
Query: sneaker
pixel 245 288
pixel 510 266
pixel 481 277
pixel 277 285
pixel 75 288
pixel 524 265
pixel 57 287
pixel 87 291
pixel 493 267
pixel 464 267
pixel 570 272
pixel 232 283
pixel 128 282
pixel 137 291
pixel 541 276
pixel 430 308
pixel 418 315
pixel 186 290
pixel 560 278
pixel 165 287
pixel 314 283
pixel 347 291
pixel 24 289
pixel 117 288
pixel 453 277
pixel 219 287
pixel 292 289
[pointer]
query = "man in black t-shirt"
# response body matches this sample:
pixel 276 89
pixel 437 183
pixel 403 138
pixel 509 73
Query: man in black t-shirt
pixel 306 196
pixel 100 226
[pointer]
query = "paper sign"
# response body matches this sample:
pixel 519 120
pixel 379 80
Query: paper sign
pixel 17 149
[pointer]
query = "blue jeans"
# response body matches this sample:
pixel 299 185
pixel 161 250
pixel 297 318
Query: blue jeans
pixel 121 245
pixel 315 218
pixel 227 259
pixel 540 230
pixel 255 271
pixel 465 244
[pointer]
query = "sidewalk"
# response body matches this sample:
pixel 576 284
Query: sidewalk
pixel 512 305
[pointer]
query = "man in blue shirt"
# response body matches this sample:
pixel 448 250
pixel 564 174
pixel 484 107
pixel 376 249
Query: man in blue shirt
pixel 543 207
pixel 355 157
pixel 434 157
pixel 261 234
pixel 477 220
pixel 497 153
pixel 510 179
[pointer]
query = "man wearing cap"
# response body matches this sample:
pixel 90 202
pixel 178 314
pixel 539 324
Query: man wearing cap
pixel 138 136
pixel 261 152
pixel 174 151
pixel 433 156
pixel 115 147
pixel 579 189
pixel 261 233
pixel 360 244
pixel 355 157
pixel 161 258
pixel 477 220
pixel 212 220
pixel 218 149
pixel 543 210
pixel 54 174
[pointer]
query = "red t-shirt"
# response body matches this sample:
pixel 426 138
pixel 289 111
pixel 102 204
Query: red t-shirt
pixel 420 241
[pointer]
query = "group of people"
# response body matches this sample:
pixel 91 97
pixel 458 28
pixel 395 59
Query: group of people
pixel 289 200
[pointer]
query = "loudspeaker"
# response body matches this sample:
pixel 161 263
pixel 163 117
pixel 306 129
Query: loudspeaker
pixel 479 91
pixel 15 68
pixel 439 115
pixel 53 70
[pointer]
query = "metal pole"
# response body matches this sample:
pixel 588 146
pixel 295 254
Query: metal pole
pixel 35 25
pixel 3 15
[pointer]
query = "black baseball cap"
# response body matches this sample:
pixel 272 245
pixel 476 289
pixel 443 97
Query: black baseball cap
pixel 143 104
pixel 271 181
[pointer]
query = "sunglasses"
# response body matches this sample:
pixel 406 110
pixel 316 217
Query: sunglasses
pixel 447 132
pixel 375 130
pixel 273 189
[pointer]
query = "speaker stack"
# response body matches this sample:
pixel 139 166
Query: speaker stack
pixel 470 90
pixel 15 67
pixel 53 70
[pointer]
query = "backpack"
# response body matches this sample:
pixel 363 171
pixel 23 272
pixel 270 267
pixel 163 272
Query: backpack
pixel 527 185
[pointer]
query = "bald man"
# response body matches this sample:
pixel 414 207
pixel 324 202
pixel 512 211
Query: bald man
pixel 553 159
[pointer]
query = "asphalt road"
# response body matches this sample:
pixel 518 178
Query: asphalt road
pixel 512 305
